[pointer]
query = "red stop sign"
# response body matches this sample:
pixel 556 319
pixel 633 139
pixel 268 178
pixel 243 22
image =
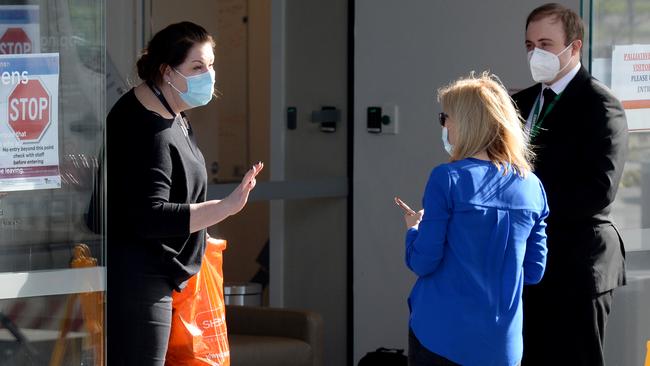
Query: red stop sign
pixel 15 41
pixel 29 110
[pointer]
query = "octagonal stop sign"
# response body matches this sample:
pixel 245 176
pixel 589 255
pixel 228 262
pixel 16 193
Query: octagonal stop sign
pixel 15 41
pixel 29 110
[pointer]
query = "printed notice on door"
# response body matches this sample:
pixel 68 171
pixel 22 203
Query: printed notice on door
pixel 631 83
pixel 29 136
pixel 19 29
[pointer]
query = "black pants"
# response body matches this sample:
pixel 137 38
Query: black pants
pixel 420 356
pixel 138 319
pixel 564 327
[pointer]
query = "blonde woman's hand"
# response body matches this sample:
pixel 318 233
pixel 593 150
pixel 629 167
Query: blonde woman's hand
pixel 412 221
pixel 238 198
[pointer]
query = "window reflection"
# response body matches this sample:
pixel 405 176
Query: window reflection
pixel 619 23
pixel 42 228
pixel 46 331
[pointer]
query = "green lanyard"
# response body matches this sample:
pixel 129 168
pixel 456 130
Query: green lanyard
pixel 536 120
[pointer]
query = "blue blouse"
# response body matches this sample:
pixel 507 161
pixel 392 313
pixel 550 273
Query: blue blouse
pixel 482 237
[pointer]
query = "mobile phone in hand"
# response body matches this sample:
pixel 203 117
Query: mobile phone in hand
pixel 407 210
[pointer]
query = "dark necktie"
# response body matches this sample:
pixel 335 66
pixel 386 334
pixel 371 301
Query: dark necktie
pixel 549 96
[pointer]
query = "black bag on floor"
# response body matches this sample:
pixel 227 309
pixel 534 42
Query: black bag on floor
pixel 384 357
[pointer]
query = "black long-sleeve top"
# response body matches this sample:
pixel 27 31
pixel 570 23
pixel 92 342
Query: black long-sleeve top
pixel 154 172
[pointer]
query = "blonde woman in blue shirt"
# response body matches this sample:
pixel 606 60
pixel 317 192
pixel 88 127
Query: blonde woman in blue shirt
pixel 481 235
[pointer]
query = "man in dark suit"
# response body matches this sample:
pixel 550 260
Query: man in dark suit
pixel 579 133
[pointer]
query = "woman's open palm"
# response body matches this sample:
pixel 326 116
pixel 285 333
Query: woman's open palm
pixel 238 198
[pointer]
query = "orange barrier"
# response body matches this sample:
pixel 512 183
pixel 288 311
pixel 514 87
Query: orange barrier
pixel 92 309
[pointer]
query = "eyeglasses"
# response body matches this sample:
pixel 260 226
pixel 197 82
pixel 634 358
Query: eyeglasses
pixel 442 117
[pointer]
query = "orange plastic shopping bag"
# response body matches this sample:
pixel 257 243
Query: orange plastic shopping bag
pixel 198 334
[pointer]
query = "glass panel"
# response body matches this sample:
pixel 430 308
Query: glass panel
pixel 51 330
pixel 40 226
pixel 619 45
pixel 52 110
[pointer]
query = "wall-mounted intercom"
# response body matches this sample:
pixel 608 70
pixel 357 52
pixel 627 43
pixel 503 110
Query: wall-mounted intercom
pixel 292 118
pixel 382 119
pixel 374 119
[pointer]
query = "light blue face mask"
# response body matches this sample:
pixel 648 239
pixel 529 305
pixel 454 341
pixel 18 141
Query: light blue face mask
pixel 199 88
pixel 445 141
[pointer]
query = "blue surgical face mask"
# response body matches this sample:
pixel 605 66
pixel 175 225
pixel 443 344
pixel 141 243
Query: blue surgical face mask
pixel 445 141
pixel 199 88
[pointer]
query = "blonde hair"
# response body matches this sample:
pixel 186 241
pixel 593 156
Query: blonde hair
pixel 486 119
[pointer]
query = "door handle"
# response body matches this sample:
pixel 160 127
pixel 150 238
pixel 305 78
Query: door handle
pixel 328 116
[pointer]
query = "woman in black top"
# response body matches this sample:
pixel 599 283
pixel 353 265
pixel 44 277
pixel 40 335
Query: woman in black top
pixel 157 213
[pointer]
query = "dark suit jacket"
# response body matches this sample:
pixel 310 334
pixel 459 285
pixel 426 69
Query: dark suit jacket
pixel 581 150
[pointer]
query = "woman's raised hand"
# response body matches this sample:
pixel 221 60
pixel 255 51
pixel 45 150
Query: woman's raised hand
pixel 238 198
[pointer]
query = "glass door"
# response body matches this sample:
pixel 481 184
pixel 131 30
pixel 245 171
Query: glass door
pixel 618 54
pixel 52 110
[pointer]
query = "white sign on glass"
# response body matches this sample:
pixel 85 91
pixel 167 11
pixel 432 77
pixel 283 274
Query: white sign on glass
pixel 29 128
pixel 631 83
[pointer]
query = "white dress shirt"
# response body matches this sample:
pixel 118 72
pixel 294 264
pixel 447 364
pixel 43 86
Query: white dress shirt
pixel 558 87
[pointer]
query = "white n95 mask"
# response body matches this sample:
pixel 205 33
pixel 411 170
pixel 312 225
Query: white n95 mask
pixel 545 65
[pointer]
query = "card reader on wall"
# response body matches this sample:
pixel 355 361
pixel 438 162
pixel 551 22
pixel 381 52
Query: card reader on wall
pixel 292 118
pixel 374 120
pixel 328 116
pixel 382 119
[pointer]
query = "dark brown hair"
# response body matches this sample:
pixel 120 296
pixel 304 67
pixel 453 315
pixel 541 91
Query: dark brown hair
pixel 170 46
pixel 571 22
